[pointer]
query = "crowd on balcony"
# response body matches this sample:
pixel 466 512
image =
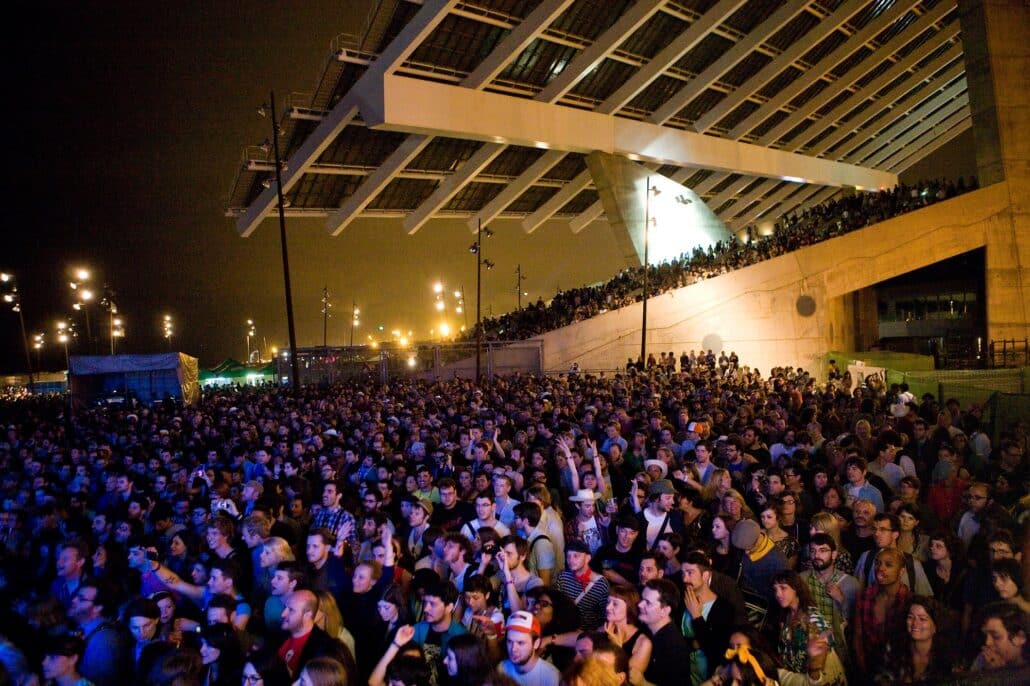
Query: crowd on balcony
pixel 796 230
pixel 674 525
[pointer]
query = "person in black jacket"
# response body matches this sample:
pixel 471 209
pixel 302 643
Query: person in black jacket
pixel 708 619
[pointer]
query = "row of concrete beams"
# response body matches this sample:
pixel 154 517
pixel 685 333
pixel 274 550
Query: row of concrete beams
pixel 890 79
pixel 512 45
pixel 407 40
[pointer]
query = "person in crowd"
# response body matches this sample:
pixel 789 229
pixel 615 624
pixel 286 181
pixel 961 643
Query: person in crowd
pixel 61 658
pixel 761 558
pixel 886 530
pixel 879 611
pixel 623 628
pixel 107 651
pixel 523 664
pixel 221 655
pixel 670 652
pixel 924 652
pixel 945 568
pixel 264 668
pixel 1005 629
pixel 833 592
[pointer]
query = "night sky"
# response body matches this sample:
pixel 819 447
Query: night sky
pixel 126 124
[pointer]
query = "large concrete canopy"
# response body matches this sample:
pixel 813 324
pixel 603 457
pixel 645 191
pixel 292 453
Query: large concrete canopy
pixel 762 107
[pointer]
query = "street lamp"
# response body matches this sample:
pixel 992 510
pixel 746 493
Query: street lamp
pixel 167 329
pixel 519 278
pixel 83 295
pixel 13 298
pixel 108 303
pixel 326 306
pixel 250 332
pixel 65 334
pixel 354 320
pixel 117 330
pixel 647 230
pixel 477 249
pixel 37 343
pixel 279 167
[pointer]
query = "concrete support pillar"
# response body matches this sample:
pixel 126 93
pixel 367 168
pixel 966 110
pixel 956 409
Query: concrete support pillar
pixel 996 41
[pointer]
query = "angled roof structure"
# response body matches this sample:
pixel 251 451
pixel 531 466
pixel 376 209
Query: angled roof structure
pixel 488 108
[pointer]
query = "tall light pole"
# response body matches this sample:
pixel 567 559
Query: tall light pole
pixel 83 296
pixel 519 278
pixel 647 230
pixel 117 330
pixel 354 320
pixel 107 302
pixel 38 340
pixel 13 298
pixel 326 305
pixel 65 333
pixel 294 366
pixel 167 329
pixel 477 249
pixel 250 332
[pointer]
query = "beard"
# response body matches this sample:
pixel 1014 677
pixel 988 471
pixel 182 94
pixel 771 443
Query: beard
pixel 821 566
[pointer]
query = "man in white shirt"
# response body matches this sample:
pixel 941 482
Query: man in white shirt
pixel 524 665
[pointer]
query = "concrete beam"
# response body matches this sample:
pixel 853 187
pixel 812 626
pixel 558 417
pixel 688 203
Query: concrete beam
pixel 415 106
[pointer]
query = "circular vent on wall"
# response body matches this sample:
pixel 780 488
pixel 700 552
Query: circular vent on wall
pixel 805 305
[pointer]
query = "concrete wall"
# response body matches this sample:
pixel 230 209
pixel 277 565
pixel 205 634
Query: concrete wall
pixel 791 309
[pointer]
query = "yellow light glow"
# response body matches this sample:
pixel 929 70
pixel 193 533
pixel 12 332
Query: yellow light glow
pixel 411 362
pixel 86 294
pixel 404 341
pixel 82 274
pixel 457 294
pixel 438 287
pixel 275 350
pixel 439 305
pixel 63 338
pixel 445 329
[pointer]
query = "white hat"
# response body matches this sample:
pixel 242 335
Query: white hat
pixel 584 495
pixel 659 464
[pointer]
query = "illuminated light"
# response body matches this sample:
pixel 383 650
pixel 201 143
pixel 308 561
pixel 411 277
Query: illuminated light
pixel 411 362
pixel 375 345
pixel 404 341
pixel 457 294
pixel 542 144
pixel 439 305
pixel 445 329
pixel 82 274
pixel 117 321
pixel 438 287
pixel 793 179
pixel 61 326
pixel 86 294
pixel 410 332
pixel 275 350
pixel 459 309
pixel 62 338
pixel 500 139
pixel 5 277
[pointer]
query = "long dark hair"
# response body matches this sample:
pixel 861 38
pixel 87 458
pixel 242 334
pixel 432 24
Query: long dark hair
pixel 272 669
pixel 223 637
pixel 470 656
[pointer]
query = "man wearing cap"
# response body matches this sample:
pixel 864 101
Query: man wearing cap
pixel 660 516
pixel 762 559
pixel 524 665
pixel 587 589
pixel 586 526
pixel 418 520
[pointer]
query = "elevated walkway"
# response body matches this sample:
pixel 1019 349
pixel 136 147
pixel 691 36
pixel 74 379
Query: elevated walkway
pixel 790 309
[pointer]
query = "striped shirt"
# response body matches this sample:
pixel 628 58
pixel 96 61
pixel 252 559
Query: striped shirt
pixel 592 604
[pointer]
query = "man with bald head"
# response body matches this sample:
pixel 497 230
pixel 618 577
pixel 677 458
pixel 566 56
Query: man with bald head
pixel 306 641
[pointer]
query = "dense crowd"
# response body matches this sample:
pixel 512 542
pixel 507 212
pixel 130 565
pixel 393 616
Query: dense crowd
pixel 671 526
pixel 797 230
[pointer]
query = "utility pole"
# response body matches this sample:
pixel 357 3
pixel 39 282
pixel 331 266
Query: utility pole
pixel 519 278
pixel 325 316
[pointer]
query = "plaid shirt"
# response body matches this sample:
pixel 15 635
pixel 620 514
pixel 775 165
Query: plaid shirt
pixel 874 635
pixel 333 519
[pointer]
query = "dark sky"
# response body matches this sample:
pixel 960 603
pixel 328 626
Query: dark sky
pixel 126 124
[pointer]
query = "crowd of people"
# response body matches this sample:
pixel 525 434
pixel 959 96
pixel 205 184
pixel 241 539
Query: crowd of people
pixel 691 525
pixel 797 230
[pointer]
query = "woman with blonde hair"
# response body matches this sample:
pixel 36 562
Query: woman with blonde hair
pixel 330 620
pixel 827 523
pixel 718 485
pixel 734 507
pixel 275 550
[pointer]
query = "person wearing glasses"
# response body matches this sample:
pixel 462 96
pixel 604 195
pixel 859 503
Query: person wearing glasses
pixel 886 530
pixel 265 669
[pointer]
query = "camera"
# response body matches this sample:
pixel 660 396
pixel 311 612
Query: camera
pixel 490 548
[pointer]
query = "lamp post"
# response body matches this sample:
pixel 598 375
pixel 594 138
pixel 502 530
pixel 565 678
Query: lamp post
pixel 326 305
pixel 354 320
pixel 294 366
pixel 477 249
pixel 117 330
pixel 83 296
pixel 107 302
pixel 13 298
pixel 647 230
pixel 38 340
pixel 519 278
pixel 65 333
pixel 250 332
pixel 167 329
